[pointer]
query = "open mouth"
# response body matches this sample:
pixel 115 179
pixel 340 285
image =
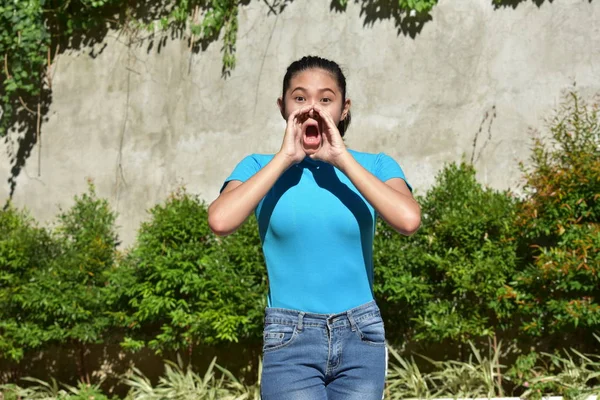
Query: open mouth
pixel 312 135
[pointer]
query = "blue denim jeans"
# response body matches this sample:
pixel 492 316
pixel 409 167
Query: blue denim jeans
pixel 324 357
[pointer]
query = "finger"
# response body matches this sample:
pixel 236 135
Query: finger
pixel 294 122
pixel 331 132
pixel 300 112
pixel 325 116
pixel 325 131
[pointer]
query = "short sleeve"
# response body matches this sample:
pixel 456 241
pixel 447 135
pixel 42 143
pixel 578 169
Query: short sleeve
pixel 387 168
pixel 245 169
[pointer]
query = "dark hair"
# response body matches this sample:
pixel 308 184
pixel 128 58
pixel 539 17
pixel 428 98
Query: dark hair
pixel 310 62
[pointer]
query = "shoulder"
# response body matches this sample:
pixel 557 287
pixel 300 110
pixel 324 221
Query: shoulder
pixel 259 160
pixel 362 156
pixel 370 160
pixel 381 165
pixel 249 165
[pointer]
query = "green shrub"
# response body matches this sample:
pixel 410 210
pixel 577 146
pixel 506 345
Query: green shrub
pixel 484 263
pixel 405 380
pixel 574 375
pixel 41 390
pixel 558 292
pixel 85 391
pixel 533 376
pixel 444 281
pixel 25 249
pixel 526 368
pixel 480 376
pixel 189 286
pixel 58 296
pixel 185 384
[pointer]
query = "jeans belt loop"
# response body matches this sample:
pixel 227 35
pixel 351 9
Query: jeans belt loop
pixel 300 320
pixel 352 321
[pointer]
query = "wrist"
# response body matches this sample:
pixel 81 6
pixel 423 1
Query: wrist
pixel 343 161
pixel 283 160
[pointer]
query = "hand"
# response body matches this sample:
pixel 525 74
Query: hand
pixel 291 148
pixel 333 147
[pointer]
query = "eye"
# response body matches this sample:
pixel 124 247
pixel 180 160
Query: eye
pixel 299 98
pixel 326 100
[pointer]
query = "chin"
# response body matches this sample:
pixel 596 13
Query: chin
pixel 311 151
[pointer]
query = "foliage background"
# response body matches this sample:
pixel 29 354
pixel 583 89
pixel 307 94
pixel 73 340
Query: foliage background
pixel 485 266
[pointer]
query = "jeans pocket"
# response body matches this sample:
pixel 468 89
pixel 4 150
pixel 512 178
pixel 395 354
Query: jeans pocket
pixel 276 336
pixel 372 331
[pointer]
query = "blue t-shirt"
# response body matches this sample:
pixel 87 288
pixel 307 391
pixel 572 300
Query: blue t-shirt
pixel 317 233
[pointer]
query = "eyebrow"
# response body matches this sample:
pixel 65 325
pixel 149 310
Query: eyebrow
pixel 320 90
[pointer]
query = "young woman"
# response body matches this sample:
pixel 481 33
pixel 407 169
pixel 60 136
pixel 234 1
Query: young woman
pixel 316 202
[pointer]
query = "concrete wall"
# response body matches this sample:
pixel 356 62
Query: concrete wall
pixel 142 122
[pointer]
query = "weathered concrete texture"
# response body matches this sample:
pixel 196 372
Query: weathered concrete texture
pixel 141 123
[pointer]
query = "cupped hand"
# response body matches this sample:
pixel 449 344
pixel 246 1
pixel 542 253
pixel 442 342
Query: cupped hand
pixel 291 148
pixel 332 145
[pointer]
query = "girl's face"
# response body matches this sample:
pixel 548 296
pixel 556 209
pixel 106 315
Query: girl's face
pixel 309 87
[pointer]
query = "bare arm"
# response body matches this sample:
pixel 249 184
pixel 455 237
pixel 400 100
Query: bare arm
pixel 391 199
pixel 237 201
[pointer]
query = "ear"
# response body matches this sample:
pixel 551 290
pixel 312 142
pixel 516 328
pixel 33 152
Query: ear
pixel 346 109
pixel 281 106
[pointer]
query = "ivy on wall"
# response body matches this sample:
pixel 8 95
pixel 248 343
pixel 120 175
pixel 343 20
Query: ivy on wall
pixel 414 6
pixel 35 31
pixel 24 42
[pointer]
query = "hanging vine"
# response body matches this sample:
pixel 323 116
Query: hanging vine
pixel 34 30
pixel 31 28
pixel 23 48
